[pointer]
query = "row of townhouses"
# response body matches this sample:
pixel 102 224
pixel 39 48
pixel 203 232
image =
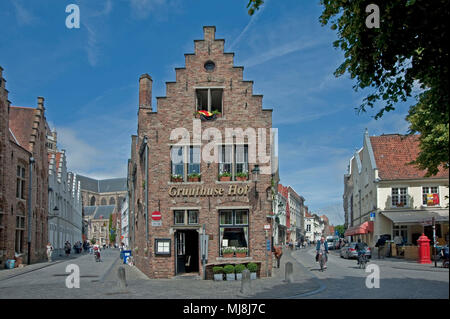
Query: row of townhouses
pixel 385 195
pixel 39 199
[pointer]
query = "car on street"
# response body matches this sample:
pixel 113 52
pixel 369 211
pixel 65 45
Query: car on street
pixel 349 251
pixel 332 240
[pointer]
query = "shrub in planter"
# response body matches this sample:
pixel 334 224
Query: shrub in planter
pixel 228 252
pixel 242 176
pixel 194 177
pixel 238 269
pixel 177 178
pixel 253 268
pixel 225 177
pixel 241 252
pixel 218 273
pixel 229 272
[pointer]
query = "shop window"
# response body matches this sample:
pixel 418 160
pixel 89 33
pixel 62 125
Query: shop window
pixel 430 196
pixel 401 231
pixel 162 246
pixel 399 196
pixel 20 186
pixel 209 100
pixel 233 229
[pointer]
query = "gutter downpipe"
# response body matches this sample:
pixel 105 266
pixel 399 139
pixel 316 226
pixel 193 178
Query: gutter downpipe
pixel 146 186
pixel 30 195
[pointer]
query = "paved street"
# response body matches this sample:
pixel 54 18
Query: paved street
pixel 342 279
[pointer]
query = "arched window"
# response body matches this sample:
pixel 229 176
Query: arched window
pixel 112 201
pixel 92 201
pixel 103 201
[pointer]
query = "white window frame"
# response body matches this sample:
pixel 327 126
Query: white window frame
pixel 429 189
pixel 399 195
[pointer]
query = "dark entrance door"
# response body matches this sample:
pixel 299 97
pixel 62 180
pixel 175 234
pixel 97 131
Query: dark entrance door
pixel 187 251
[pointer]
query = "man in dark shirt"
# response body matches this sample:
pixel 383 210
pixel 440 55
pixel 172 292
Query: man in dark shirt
pixel 380 244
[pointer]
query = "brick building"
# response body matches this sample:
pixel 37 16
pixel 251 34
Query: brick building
pixel 23 132
pixel 184 180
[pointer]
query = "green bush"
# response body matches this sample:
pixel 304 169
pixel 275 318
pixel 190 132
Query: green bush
pixel 228 269
pixel 194 175
pixel 239 268
pixel 242 174
pixel 225 174
pixel 252 267
pixel 218 270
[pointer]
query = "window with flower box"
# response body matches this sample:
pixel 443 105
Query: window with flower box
pixel 399 197
pixel 233 162
pixel 185 163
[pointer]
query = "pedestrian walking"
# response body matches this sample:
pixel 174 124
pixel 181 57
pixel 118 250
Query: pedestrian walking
pixel 278 253
pixel 380 245
pixel 322 249
pixel 67 248
pixel 49 252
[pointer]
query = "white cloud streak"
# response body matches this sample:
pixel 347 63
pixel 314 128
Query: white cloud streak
pixel 23 15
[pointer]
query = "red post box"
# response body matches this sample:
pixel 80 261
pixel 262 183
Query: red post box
pixel 424 250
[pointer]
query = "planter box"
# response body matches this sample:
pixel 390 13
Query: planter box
pixel 193 179
pixel 231 255
pixel 225 179
pixel 241 255
pixel 239 276
pixel 230 277
pixel 178 180
pixel 218 277
pixel 241 179
pixel 253 275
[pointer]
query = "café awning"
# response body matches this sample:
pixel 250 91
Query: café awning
pixel 364 228
pixel 416 216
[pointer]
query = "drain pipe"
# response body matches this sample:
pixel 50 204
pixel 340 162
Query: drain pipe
pixel 146 186
pixel 30 195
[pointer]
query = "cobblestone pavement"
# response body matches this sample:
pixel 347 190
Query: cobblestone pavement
pixel 100 280
pixel 342 279
pixel 398 279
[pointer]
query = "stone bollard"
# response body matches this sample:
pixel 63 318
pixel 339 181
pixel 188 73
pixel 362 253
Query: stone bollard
pixel 289 272
pixel 122 283
pixel 246 282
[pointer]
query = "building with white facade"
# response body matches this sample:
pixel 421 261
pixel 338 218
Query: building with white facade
pixel 296 208
pixel 314 226
pixel 65 206
pixel 124 217
pixel 386 195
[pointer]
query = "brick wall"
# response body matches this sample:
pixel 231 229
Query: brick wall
pixel 241 109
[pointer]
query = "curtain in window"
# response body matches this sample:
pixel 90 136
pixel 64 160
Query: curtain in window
pixel 241 159
pixel 246 236
pixel 176 156
pixel 194 160
pixel 225 159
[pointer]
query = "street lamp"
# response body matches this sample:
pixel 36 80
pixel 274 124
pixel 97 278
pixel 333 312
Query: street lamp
pixel 255 172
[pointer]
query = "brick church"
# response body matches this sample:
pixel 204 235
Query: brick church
pixel 194 178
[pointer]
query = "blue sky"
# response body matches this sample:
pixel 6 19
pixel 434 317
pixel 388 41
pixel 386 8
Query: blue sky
pixel 89 78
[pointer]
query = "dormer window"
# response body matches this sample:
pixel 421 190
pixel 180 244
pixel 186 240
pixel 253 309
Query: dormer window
pixel 209 99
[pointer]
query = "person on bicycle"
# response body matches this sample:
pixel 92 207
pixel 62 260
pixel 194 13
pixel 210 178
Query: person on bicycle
pixel 322 249
pixel 360 248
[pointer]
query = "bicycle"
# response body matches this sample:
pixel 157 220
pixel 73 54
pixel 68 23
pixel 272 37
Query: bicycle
pixel 362 260
pixel 322 260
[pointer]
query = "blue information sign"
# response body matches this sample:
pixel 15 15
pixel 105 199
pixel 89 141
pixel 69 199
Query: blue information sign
pixel 268 244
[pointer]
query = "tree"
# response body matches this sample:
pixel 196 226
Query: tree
pixel 340 229
pixel 407 50
pixel 254 5
pixel 93 241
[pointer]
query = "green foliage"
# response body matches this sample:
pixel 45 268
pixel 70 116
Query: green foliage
pixel 112 237
pixel 340 229
pixel 252 267
pixel 408 50
pixel 216 112
pixel 194 175
pixel 93 241
pixel 242 174
pixel 228 250
pixel 218 270
pixel 241 249
pixel 225 174
pixel 228 269
pixel 254 5
pixel 239 268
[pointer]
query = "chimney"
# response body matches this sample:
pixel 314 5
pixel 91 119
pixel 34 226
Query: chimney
pixel 209 33
pixel 145 91
pixel 40 103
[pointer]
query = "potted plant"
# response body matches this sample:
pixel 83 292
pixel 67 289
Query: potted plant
pixel 238 269
pixel 194 177
pixel 216 113
pixel 229 272
pixel 225 177
pixel 242 177
pixel 253 268
pixel 241 252
pixel 218 273
pixel 177 178
pixel 228 252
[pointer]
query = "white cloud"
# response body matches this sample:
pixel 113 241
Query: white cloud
pixel 24 16
pixel 141 9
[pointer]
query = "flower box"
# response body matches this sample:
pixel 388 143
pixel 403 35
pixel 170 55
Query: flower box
pixel 241 179
pixel 231 277
pixel 229 271
pixel 193 179
pixel 225 178
pixel 228 255
pixel 241 255
pixel 218 277
pixel 253 275
pixel 177 179
pixel 218 273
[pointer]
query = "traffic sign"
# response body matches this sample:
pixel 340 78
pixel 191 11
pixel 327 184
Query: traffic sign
pixel 268 245
pixel 156 215
pixel 267 226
